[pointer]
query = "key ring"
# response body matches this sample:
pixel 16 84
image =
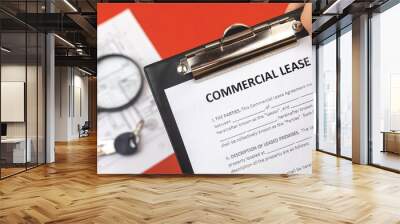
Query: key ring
pixel 127 143
pixel 124 144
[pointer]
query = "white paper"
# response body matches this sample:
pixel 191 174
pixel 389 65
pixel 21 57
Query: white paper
pixel 266 128
pixel 123 35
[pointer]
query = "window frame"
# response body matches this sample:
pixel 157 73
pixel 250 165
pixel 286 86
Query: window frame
pixel 380 9
pixel 333 37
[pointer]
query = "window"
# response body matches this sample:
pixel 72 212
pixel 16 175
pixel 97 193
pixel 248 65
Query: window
pixel 385 89
pixel 334 101
pixel 22 77
pixel 346 92
pixel 327 96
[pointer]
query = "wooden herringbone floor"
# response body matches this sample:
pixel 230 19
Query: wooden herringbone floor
pixel 69 191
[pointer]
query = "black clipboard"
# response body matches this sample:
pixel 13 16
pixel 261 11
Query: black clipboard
pixel 164 74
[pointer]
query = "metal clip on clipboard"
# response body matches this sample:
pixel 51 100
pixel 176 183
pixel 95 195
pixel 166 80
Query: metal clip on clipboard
pixel 240 43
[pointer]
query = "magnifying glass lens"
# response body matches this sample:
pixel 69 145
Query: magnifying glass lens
pixel 119 82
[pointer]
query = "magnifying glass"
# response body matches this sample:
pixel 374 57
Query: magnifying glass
pixel 120 81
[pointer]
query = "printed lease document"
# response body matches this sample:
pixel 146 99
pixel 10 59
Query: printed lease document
pixel 257 118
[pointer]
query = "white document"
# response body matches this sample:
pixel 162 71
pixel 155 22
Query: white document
pixel 123 35
pixel 257 118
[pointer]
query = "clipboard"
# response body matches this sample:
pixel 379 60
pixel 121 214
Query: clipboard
pixel 239 44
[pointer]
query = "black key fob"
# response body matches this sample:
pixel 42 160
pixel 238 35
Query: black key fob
pixel 126 144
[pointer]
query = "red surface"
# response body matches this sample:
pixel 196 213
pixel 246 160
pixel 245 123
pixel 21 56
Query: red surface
pixel 174 28
pixel 167 166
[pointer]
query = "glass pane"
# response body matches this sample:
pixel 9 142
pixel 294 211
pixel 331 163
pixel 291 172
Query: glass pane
pixel 346 93
pixel 31 86
pixel 31 100
pixel 327 96
pixel 41 98
pixel 13 88
pixel 385 92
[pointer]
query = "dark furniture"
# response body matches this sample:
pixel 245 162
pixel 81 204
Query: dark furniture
pixel 3 129
pixel 84 130
pixel 391 141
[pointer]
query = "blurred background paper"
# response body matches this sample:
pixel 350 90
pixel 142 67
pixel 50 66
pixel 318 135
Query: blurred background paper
pixel 122 34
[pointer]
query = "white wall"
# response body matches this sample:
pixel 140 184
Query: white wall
pixel 9 73
pixel 33 126
pixel 80 110
pixel 71 102
pixel 12 101
pixel 62 81
pixel 15 72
